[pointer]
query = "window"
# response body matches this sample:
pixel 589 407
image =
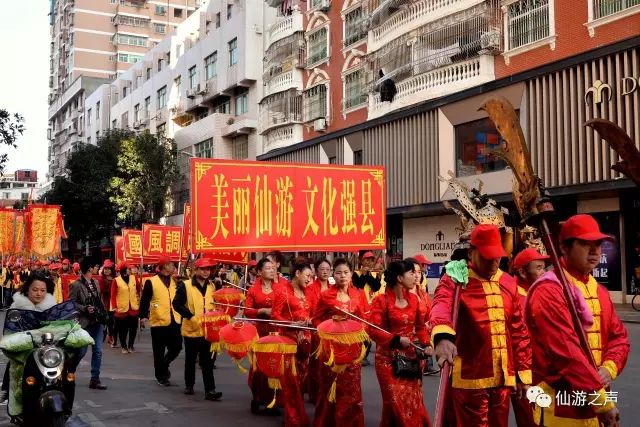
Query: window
pixel 229 11
pixel 354 93
pixel 218 20
pixel 161 10
pixel 357 157
pixel 131 21
pixel 148 73
pixel 354 29
pixel 168 56
pixel 240 147
pixel 161 129
pixel 221 105
pixel 89 117
pixel 316 4
pixel 97 110
pixel 177 83
pixel 162 97
pixel 129 58
pixel 242 103
pixel 210 65
pixel 97 136
pixel 160 64
pixel 205 148
pixel 609 7
pixel 147 107
pixel 318 47
pixel 124 92
pixel 177 13
pixel 233 52
pixel 474 143
pixel 124 120
pixel 316 102
pixel 138 81
pixel 178 50
pixel 136 113
pixel 528 21
pixel 159 28
pixel 193 77
pixel 130 40
pixel 24 196
pixel 114 124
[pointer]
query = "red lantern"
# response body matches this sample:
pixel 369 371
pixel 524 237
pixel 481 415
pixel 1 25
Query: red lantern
pixel 272 353
pixel 341 344
pixel 213 321
pixel 237 338
pixel 231 296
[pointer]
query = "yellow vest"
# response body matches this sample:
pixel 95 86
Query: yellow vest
pixel 126 295
pixel 160 309
pixel 57 290
pixel 367 289
pixel 197 305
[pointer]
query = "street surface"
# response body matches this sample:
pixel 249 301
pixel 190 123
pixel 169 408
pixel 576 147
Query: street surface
pixel 135 400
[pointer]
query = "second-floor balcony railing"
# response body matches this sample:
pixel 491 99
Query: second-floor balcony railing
pixel 602 8
pixel 284 55
pixel 280 109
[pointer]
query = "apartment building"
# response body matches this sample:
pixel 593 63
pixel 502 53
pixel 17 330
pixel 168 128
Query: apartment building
pixel 429 64
pixel 20 185
pixel 92 42
pixel 200 86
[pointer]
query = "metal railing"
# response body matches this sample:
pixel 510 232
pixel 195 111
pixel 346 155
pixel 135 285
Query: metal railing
pixel 280 109
pixel 527 22
pixel 602 8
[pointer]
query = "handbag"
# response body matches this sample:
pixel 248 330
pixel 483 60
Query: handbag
pixel 99 315
pixel 403 366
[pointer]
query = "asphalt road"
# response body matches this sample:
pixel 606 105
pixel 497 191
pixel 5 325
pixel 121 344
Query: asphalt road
pixel 135 400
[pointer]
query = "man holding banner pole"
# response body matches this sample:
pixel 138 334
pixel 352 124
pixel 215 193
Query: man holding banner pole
pixel 156 307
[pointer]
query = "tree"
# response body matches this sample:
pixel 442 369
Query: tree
pixel 147 168
pixel 11 126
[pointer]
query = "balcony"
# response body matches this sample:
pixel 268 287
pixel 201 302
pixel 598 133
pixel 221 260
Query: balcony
pixel 132 6
pixel 292 79
pixel 411 17
pixel 239 125
pixel 179 115
pixel 285 27
pixel 280 109
pixel 282 137
pixel 434 84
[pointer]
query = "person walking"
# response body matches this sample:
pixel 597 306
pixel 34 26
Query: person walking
pixel 125 303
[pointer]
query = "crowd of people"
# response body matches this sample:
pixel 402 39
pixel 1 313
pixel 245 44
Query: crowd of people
pixel 512 331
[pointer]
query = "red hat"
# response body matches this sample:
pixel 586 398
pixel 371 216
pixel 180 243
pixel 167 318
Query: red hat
pixel 487 239
pixel 368 254
pixel 107 264
pixel 583 227
pixel 76 266
pixel 253 263
pixel 422 260
pixel 55 266
pixel 37 263
pixel 162 261
pixel 65 262
pixel 204 263
pixel 122 265
pixel 525 257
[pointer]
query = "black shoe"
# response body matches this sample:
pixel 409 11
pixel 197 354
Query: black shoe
pixel 163 382
pixel 188 390
pixel 255 407
pixel 96 385
pixel 274 412
pixel 213 395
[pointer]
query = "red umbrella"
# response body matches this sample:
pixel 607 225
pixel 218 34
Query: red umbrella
pixel 228 296
pixel 213 321
pixel 271 354
pixel 237 338
pixel 341 344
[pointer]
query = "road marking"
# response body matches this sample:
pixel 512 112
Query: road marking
pixel 91 404
pixel 91 419
pixel 148 406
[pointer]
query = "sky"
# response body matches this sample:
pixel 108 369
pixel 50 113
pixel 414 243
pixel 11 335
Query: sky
pixel 24 79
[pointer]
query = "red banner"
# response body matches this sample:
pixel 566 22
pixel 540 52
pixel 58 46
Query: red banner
pixel 119 251
pixel 132 247
pixel 261 206
pixel 161 240
pixel 230 257
pixel 186 230
pixel 7 230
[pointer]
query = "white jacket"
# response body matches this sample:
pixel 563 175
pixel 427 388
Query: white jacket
pixel 22 302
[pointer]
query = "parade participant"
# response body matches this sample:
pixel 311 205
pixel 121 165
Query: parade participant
pixel 489 351
pixel 66 267
pixel 193 299
pixel 425 306
pixel 398 311
pixel 125 303
pixel 423 263
pixel 76 268
pixel 155 307
pixel 8 284
pixel 258 305
pixel 105 280
pixel 292 302
pixel 560 364
pixel 276 258
pixel 85 292
pixel 348 397
pixel 252 275
pixel 367 279
pixel 54 270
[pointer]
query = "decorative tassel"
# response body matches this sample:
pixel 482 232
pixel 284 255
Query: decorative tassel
pixel 274 384
pixel 294 371
pixel 318 352
pixel 241 368
pixel 363 353
pixel 331 358
pixel 282 364
pixel 345 338
pixel 332 391
pixel 216 347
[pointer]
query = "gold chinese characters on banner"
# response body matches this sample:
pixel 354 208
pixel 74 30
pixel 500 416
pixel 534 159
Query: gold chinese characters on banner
pixel 44 230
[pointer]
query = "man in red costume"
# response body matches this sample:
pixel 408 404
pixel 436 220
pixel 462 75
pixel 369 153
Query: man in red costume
pixel 527 266
pixel 489 352
pixel 560 365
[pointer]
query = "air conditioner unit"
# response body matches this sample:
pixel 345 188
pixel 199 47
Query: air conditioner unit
pixel 191 93
pixel 80 132
pixel 490 40
pixel 324 5
pixel 136 125
pixel 203 89
pixel 257 29
pixel 274 3
pixel 320 125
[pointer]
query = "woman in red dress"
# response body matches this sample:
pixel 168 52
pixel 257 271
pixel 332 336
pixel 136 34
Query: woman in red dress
pixel 291 302
pixel 348 406
pixel 258 305
pixel 398 312
pixel 321 284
